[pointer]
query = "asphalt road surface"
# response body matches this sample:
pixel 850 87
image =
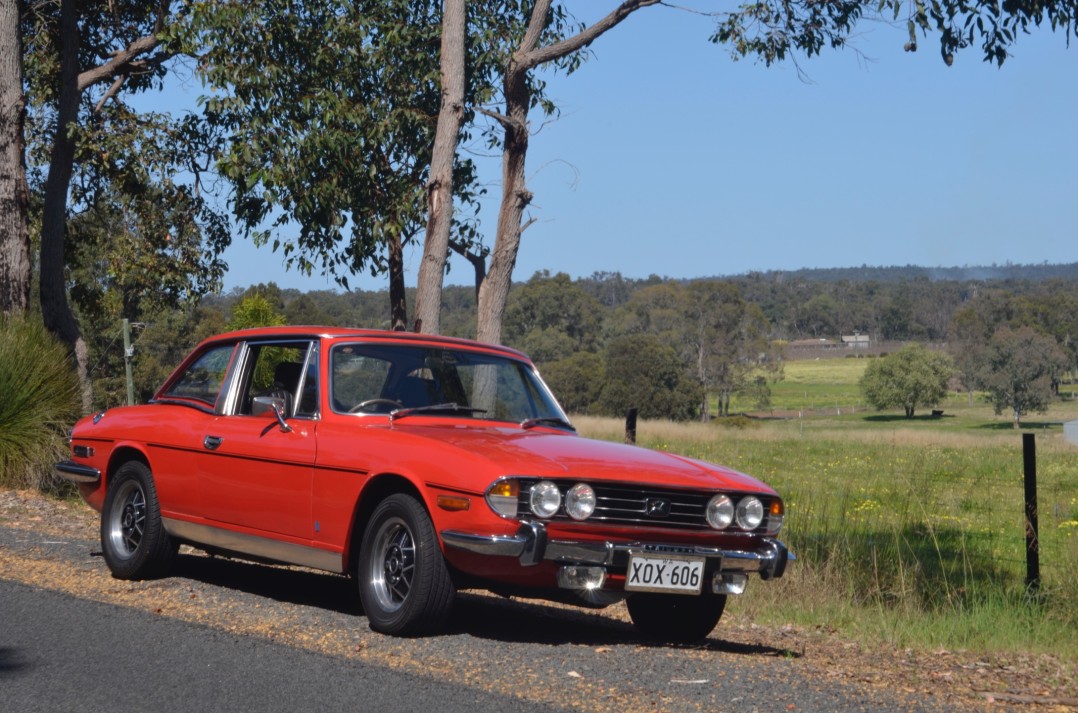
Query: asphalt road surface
pixel 223 635
pixel 61 653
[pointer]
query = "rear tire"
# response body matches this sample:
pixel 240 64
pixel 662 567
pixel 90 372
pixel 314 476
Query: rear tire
pixel 403 580
pixel 676 618
pixel 133 538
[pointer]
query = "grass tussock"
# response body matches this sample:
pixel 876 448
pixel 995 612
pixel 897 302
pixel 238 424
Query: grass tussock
pixel 39 400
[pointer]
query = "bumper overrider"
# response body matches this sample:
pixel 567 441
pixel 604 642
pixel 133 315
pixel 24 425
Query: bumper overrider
pixel 530 545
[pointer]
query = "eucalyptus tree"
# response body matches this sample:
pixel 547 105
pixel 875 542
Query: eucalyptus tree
pixel 333 108
pixel 1021 369
pixel 769 30
pixel 725 340
pixel 87 144
pixel 14 196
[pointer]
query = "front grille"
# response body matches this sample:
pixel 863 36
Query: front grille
pixel 625 504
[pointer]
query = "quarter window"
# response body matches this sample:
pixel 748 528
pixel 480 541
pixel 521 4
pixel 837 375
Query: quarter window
pixel 202 380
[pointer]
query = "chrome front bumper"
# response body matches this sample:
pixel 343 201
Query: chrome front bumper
pixel 531 546
pixel 77 473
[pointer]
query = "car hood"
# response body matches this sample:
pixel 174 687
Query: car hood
pixel 554 454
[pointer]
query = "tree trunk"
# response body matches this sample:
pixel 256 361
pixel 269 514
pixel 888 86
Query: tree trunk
pixel 55 309
pixel 494 292
pixel 15 271
pixel 398 300
pixel 440 188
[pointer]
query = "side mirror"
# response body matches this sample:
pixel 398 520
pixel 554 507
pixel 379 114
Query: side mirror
pixel 262 405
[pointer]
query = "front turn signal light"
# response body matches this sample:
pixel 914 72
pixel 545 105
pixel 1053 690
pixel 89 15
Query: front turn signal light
pixel 776 513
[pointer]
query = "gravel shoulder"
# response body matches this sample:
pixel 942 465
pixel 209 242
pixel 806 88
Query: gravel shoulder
pixel 555 656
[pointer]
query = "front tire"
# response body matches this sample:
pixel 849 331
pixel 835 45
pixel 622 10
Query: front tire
pixel 676 618
pixel 133 538
pixel 403 581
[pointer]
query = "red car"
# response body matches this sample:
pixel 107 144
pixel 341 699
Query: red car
pixel 419 465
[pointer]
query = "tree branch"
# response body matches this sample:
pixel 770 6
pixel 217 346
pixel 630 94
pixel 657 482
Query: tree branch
pixel 528 56
pixel 112 91
pixel 115 65
pixel 502 119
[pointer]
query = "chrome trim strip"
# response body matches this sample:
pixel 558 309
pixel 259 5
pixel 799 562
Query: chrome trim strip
pixel 77 473
pixel 261 547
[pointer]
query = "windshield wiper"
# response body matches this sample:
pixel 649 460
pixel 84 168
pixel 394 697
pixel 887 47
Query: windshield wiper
pixel 453 407
pixel 547 421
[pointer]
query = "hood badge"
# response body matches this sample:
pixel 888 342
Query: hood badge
pixel 656 507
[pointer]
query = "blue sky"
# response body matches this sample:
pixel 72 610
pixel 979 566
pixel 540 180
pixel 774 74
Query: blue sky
pixel 669 158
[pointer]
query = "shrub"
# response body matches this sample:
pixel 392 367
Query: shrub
pixel 39 400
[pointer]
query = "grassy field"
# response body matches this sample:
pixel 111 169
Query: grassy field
pixel 909 531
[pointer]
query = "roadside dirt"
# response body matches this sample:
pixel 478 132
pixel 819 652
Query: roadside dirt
pixel 52 544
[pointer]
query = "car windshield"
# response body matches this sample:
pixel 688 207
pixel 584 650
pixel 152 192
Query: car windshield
pixel 383 378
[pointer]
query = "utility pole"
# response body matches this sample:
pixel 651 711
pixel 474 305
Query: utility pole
pixel 129 352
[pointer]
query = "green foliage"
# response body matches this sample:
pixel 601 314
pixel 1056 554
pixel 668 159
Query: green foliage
pixel 720 337
pixel 577 381
pixel 772 30
pixel 331 107
pixel 808 385
pixel 1021 370
pixel 911 378
pixel 142 227
pixel 644 373
pixel 255 310
pixel 550 318
pixel 39 400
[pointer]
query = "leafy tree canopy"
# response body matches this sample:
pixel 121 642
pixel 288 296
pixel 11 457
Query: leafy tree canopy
pixel 1021 370
pixel 331 108
pixel 911 378
pixel 644 373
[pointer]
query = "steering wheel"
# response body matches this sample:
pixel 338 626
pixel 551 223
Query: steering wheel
pixel 362 405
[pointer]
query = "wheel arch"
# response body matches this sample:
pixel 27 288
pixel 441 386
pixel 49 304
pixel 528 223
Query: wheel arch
pixel 125 454
pixel 377 489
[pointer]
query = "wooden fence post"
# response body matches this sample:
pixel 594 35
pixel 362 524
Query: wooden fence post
pixel 630 426
pixel 1033 548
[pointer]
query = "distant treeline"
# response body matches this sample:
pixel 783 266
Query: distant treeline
pixel 887 303
pixel 592 336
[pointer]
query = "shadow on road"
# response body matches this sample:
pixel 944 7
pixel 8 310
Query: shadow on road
pixel 11 662
pixel 479 615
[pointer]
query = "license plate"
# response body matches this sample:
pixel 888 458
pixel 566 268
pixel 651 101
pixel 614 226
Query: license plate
pixel 675 575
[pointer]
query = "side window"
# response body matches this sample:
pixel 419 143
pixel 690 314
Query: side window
pixel 202 380
pixel 275 369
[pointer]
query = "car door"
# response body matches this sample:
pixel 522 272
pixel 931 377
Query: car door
pixel 256 474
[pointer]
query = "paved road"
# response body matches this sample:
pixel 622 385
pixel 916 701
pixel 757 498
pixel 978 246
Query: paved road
pixel 60 653
pixel 225 635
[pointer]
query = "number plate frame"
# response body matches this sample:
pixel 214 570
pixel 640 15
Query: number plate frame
pixel 661 581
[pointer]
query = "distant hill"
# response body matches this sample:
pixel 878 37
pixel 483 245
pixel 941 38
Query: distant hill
pixel 909 273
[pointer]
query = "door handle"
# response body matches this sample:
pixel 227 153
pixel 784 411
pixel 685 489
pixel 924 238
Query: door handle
pixel 212 442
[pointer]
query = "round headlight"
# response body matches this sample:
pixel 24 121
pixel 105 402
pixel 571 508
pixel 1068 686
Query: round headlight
pixel 545 499
pixel 720 512
pixel 580 501
pixel 750 513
